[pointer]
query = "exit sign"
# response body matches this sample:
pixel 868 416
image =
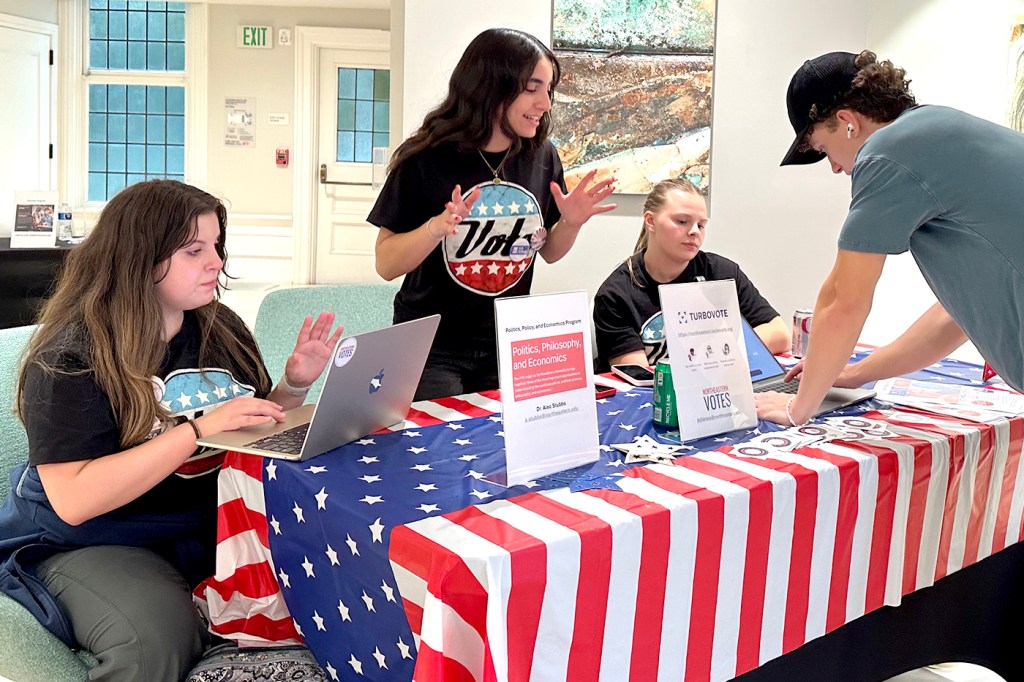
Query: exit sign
pixel 255 36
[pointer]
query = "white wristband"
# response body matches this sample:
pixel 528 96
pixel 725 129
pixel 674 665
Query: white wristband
pixel 789 415
pixel 297 391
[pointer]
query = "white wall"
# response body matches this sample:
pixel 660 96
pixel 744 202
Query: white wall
pixel 954 57
pixel 40 10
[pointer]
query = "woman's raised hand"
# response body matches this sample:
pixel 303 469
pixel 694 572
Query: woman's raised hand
pixel 455 211
pixel 313 349
pixel 584 201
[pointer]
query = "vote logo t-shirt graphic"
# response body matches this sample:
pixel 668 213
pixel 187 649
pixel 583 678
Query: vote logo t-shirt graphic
pixel 497 243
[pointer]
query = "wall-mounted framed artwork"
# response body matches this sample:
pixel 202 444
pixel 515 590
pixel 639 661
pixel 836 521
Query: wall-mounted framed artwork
pixel 634 100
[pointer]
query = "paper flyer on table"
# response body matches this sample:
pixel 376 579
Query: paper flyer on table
pixel 976 404
pixel 545 365
pixel 708 357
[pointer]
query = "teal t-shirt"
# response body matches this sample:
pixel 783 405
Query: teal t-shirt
pixel 949 187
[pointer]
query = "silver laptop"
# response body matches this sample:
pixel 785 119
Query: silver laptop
pixel 370 383
pixel 768 375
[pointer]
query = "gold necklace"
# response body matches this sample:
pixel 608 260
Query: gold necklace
pixel 495 171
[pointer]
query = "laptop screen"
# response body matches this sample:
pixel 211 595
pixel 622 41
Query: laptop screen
pixel 763 364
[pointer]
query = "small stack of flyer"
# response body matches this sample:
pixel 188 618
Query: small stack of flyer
pixel 966 402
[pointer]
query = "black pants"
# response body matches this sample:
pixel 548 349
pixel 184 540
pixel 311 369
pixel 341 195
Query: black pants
pixel 453 372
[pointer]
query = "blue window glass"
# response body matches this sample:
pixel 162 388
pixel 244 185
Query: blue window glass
pixel 135 132
pixel 116 158
pixel 175 57
pixel 136 99
pixel 346 143
pixel 156 25
pixel 117 56
pixel 155 130
pixel 97 25
pixel 97 186
pixel 363 152
pixel 97 98
pixel 156 56
pixel 176 160
pixel 136 128
pixel 155 98
pixel 117 128
pixel 115 183
pixel 97 127
pixel 136 25
pixel 175 130
pixel 154 160
pixel 117 25
pixel 117 98
pixel 98 54
pixel 364 84
pixel 136 158
pixel 136 55
pixel 346 83
pixel 97 157
pixel 363 113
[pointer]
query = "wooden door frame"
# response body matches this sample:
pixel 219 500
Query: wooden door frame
pixel 309 41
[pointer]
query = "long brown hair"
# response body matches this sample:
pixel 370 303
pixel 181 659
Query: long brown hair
pixel 493 71
pixel 105 305
pixel 653 203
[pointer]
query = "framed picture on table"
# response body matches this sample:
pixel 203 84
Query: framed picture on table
pixel 35 220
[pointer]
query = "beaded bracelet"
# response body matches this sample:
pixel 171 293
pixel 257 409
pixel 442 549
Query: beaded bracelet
pixel 789 415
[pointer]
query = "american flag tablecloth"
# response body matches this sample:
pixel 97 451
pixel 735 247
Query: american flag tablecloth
pixel 701 570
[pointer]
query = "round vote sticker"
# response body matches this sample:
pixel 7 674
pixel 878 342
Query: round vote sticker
pixel 750 451
pixel 346 349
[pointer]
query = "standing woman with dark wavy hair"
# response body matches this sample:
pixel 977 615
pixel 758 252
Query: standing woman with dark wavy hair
pixel 931 180
pixel 471 198
pixel 113 519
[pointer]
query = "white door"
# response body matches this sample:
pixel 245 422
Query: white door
pixel 354 114
pixel 25 88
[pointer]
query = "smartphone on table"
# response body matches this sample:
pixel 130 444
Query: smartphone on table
pixel 637 375
pixel 603 391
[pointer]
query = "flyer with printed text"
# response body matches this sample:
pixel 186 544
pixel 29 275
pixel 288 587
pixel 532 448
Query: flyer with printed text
pixel 545 365
pixel 708 355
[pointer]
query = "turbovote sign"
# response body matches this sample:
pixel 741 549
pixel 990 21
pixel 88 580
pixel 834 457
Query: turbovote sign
pixel 545 366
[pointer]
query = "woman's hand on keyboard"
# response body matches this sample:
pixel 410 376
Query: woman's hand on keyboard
pixel 238 413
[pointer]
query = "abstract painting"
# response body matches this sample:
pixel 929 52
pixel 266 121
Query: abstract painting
pixel 634 100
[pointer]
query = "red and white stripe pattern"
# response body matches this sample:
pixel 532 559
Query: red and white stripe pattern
pixel 708 568
pixel 243 600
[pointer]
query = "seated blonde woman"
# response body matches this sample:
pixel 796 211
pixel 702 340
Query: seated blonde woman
pixel 627 309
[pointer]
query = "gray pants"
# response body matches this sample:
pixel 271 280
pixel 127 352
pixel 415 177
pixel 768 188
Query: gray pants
pixel 131 609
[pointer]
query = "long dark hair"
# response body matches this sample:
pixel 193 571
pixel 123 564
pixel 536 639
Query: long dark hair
pixel 105 297
pixel 493 70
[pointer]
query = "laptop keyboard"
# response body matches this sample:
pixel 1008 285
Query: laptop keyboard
pixel 781 387
pixel 288 442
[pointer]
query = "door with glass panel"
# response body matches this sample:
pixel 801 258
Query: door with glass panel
pixel 353 122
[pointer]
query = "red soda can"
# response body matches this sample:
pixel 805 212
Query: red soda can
pixel 801 331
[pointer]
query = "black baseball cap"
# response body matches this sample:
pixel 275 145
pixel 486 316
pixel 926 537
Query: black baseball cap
pixel 820 81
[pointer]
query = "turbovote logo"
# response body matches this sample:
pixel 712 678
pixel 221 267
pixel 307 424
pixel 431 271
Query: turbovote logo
pixel 496 244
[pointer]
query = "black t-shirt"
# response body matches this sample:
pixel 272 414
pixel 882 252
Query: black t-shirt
pixel 493 253
pixel 69 418
pixel 627 316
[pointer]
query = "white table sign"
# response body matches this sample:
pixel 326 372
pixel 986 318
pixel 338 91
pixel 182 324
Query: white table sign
pixel 710 374
pixel 545 365
pixel 35 220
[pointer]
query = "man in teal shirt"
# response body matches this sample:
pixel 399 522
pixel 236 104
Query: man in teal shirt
pixel 940 183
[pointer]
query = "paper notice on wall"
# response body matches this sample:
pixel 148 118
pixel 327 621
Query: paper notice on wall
pixel 545 364
pixel 240 121
pixel 707 352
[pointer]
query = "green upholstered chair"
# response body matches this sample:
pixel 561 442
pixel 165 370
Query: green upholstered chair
pixel 359 307
pixel 28 652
